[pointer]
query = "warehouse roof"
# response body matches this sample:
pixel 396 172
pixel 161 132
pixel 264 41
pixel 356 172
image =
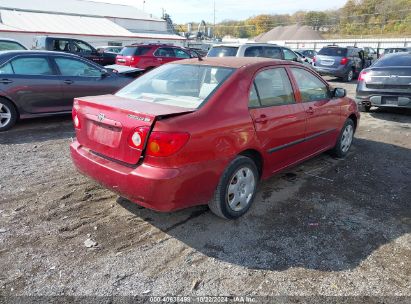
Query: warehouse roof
pixel 69 25
pixel 78 7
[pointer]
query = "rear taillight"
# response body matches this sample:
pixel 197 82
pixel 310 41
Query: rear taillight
pixel 137 139
pixel 344 61
pixel 364 76
pixel 76 119
pixel 314 59
pixel 162 144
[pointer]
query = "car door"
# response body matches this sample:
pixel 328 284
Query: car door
pixel 32 84
pixel 278 119
pixel 81 78
pixel 323 112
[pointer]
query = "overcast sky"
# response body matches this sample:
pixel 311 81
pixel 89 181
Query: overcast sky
pixel 183 11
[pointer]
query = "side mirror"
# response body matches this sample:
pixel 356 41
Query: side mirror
pixel 339 93
pixel 104 73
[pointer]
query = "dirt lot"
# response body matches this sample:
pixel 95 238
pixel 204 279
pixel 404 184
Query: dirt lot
pixel 329 227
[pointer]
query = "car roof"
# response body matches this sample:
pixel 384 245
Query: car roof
pixel 245 43
pixel 233 62
pixel 28 52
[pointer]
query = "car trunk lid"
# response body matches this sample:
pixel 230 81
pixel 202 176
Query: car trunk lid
pixel 107 122
pixel 395 78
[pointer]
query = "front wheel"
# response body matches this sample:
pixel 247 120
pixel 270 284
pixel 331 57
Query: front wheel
pixel 236 190
pixel 345 139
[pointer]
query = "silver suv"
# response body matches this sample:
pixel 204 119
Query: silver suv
pixel 266 50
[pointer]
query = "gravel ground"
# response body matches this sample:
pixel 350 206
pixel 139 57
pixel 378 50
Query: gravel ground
pixel 326 227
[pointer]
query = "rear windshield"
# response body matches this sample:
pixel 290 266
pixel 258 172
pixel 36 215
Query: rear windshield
pixel 333 51
pixel 396 50
pixel 10 46
pixel 395 60
pixel 223 51
pixel 186 86
pixel 135 50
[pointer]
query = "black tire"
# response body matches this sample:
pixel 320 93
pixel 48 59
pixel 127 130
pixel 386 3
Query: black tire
pixel 349 76
pixel 367 108
pixel 339 149
pixel 7 108
pixel 219 205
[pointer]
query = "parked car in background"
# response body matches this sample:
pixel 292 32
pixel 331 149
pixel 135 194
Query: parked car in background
pixel 303 58
pixel 11 45
pixel 38 83
pixel 307 53
pixel 343 62
pixel 149 56
pixel 195 53
pixel 387 83
pixel 73 46
pixel 109 53
pixel 370 54
pixel 396 50
pixel 187 133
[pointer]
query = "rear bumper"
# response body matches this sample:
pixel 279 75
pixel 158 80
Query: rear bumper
pixel 383 99
pixel 160 189
pixel 341 71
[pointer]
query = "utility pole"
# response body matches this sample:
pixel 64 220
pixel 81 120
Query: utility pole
pixel 214 22
pixel 144 5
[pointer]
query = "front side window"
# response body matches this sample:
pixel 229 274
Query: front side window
pixel 181 85
pixel 28 66
pixel 181 54
pixel 81 47
pixel 311 88
pixel 164 52
pixel 289 55
pixel 73 67
pixel 273 88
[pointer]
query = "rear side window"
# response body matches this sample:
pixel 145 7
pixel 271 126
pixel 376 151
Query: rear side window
pixel 135 51
pixel 254 51
pixel 9 46
pixel 223 51
pixel 273 88
pixel 272 52
pixel 28 66
pixel 311 88
pixel 333 51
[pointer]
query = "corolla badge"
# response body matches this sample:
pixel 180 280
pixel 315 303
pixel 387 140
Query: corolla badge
pixel 101 116
pixel 145 119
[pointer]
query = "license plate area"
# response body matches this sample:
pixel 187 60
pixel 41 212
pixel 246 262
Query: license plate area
pixel 104 134
pixel 390 101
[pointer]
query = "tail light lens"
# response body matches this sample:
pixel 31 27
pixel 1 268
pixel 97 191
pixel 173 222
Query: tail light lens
pixel 344 61
pixel 314 59
pixel 138 137
pixel 162 144
pixel 364 76
pixel 76 119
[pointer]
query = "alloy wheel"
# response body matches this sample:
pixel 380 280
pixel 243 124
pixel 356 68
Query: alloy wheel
pixel 241 189
pixel 346 138
pixel 5 115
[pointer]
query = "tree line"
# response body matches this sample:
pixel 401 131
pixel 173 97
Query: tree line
pixel 357 18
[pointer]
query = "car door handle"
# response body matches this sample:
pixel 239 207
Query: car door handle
pixel 262 119
pixel 6 81
pixel 310 110
pixel 68 81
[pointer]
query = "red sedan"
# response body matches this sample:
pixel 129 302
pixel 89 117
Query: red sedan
pixel 207 131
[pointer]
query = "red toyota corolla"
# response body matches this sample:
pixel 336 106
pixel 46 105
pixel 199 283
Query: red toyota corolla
pixel 205 132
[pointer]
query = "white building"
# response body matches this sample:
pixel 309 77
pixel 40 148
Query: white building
pixel 95 22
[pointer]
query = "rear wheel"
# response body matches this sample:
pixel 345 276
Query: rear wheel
pixel 236 190
pixel 349 76
pixel 8 115
pixel 345 139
